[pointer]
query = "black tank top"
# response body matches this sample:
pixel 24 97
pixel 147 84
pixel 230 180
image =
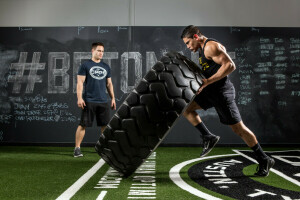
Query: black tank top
pixel 209 67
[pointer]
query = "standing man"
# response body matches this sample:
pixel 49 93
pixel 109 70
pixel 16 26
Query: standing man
pixel 94 76
pixel 217 91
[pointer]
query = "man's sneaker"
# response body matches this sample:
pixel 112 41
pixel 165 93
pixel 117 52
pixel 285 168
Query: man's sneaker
pixel 264 167
pixel 208 144
pixel 77 152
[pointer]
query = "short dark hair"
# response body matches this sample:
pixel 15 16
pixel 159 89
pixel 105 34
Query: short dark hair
pixel 95 44
pixel 190 31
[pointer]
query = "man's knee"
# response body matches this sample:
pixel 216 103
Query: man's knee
pixel 191 108
pixel 186 113
pixel 238 128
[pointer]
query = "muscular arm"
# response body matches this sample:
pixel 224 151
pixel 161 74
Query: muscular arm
pixel 218 54
pixel 80 81
pixel 110 90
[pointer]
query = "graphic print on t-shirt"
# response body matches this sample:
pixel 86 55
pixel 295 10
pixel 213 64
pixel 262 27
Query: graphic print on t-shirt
pixel 98 72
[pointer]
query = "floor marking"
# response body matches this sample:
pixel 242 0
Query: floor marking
pixel 283 159
pixel 174 174
pixel 273 170
pixel 282 151
pixel 81 181
pixel 101 195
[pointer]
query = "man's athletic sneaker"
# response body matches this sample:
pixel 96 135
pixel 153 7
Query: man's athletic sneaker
pixel 208 144
pixel 264 167
pixel 77 152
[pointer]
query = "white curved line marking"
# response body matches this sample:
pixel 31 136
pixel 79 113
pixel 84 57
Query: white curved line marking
pixel 175 177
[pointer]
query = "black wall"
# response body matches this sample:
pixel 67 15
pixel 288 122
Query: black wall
pixel 38 104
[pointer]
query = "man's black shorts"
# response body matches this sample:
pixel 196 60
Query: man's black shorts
pixel 100 110
pixel 223 100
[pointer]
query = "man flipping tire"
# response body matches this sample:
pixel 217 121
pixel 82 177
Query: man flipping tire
pixel 217 91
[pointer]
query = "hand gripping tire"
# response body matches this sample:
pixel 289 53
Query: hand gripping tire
pixel 147 114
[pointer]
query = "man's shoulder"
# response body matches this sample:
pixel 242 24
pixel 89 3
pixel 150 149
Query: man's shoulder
pixel 86 63
pixel 211 44
pixel 212 48
pixel 104 64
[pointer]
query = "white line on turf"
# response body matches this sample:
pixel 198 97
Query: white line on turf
pixel 101 195
pixel 81 181
pixel 282 151
pixel 175 177
pixel 273 170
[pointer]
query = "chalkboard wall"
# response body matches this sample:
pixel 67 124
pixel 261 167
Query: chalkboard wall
pixel 39 66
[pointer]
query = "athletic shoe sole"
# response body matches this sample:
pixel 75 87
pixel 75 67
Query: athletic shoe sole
pixel 269 167
pixel 218 137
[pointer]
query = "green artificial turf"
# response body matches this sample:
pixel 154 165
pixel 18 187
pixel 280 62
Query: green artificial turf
pixel 46 172
pixel 272 180
pixel 40 172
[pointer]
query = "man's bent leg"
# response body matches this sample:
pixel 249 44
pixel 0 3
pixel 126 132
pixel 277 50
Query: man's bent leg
pixel 265 162
pixel 191 115
pixel 102 129
pixel 209 140
pixel 246 134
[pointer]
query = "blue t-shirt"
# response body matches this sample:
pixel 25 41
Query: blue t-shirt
pixel 96 75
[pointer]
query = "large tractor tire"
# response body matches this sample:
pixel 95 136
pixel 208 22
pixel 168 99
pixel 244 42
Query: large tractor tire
pixel 148 113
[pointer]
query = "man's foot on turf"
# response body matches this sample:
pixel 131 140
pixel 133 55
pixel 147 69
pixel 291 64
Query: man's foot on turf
pixel 264 167
pixel 208 144
pixel 77 152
